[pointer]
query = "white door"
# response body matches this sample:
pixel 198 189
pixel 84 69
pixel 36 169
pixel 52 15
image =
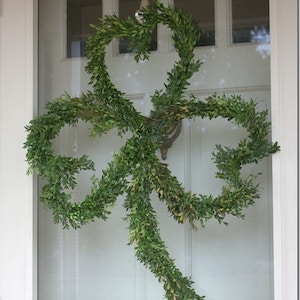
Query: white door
pixel 95 262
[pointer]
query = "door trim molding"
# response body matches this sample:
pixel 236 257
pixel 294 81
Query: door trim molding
pixel 284 22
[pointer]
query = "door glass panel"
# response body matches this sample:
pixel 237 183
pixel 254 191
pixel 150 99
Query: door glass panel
pixel 203 13
pixel 80 13
pixel 95 262
pixel 250 21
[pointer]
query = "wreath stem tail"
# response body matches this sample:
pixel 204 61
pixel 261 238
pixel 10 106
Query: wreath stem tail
pixel 152 252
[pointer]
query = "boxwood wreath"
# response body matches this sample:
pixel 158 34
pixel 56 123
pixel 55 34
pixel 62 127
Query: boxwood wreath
pixel 136 170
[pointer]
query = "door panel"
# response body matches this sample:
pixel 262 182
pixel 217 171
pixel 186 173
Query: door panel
pixel 95 262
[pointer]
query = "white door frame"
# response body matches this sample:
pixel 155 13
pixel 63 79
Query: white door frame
pixel 18 86
pixel 284 24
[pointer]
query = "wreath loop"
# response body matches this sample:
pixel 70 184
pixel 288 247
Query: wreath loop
pixel 106 108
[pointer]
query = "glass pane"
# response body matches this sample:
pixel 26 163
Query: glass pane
pixel 203 13
pixel 80 14
pixel 95 262
pixel 127 8
pixel 250 21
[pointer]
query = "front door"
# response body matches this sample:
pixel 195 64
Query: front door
pixel 95 262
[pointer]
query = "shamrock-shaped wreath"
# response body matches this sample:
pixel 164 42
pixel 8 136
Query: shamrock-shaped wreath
pixel 136 170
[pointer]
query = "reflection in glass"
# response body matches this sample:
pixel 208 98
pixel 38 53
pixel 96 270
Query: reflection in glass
pixel 262 37
pixel 80 14
pixel 203 14
pixel 250 20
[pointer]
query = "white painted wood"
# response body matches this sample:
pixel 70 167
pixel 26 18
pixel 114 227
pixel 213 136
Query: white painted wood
pixel 17 103
pixel 285 116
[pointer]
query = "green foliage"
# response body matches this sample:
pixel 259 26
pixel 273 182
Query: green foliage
pixel 106 108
